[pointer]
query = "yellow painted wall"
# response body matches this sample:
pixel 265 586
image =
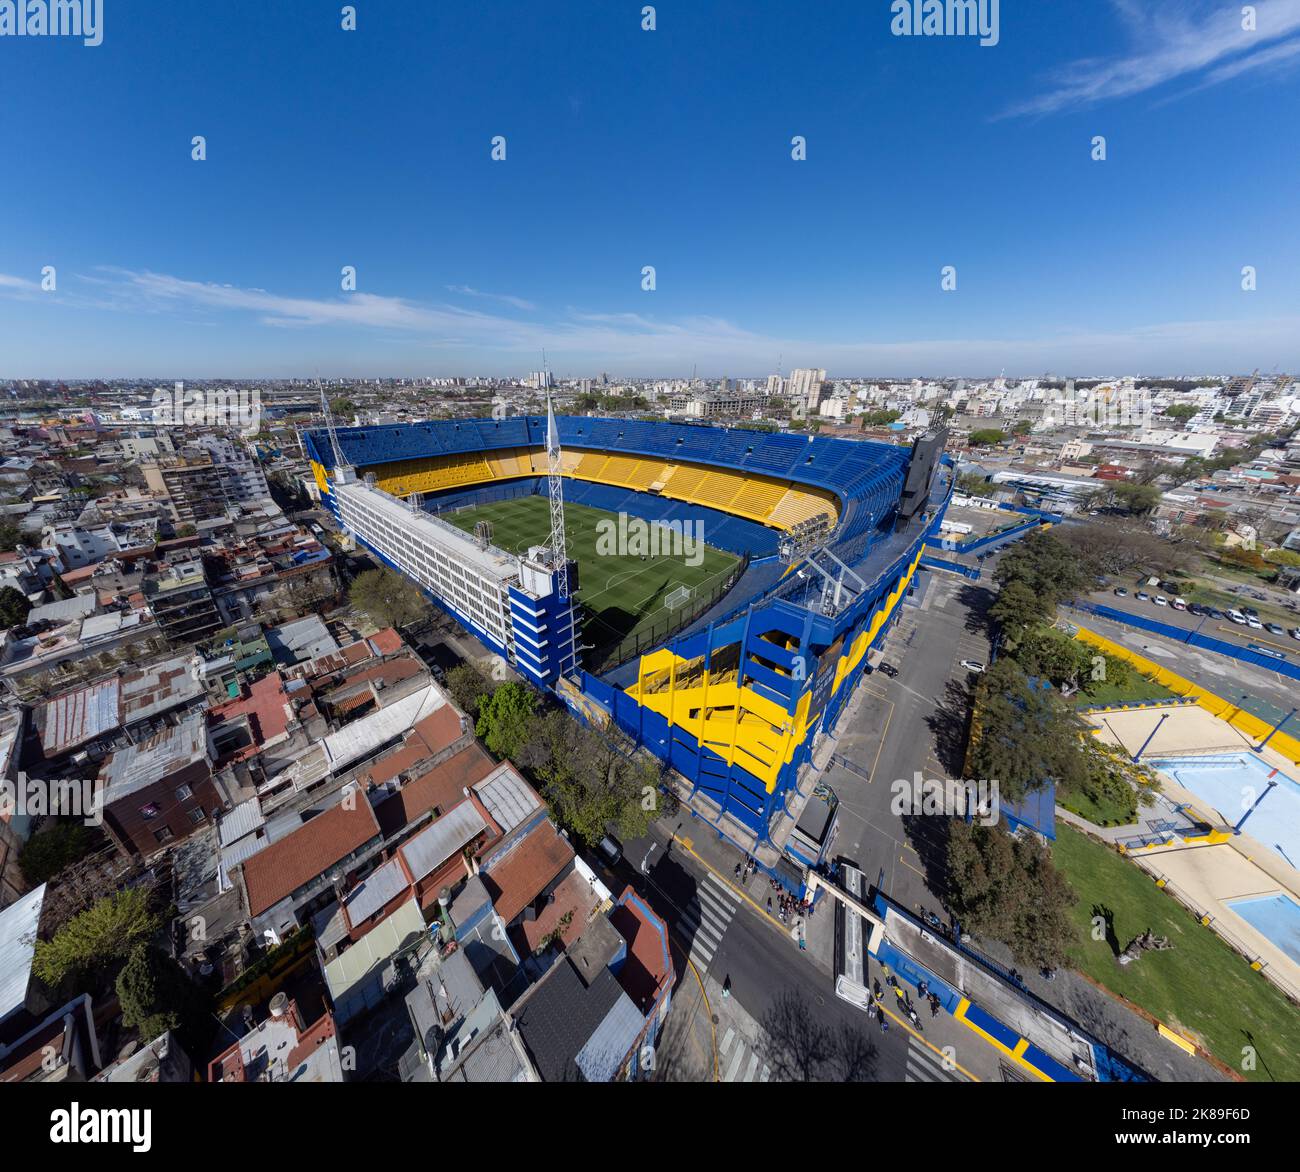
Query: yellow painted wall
pixel 1225 710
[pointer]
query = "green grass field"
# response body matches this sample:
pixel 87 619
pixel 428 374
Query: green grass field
pixel 623 594
pixel 1201 987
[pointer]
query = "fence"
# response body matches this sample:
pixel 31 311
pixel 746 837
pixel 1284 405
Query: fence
pixel 1216 925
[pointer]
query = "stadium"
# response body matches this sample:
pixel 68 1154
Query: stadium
pixel 720 591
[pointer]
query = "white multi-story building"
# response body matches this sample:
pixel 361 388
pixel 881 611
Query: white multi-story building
pixel 805 387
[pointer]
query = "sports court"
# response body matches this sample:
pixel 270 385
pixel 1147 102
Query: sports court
pixel 622 594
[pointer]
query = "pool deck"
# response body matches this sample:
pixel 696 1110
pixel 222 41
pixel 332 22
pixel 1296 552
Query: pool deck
pixel 1208 874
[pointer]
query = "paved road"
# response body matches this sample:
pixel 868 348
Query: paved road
pixel 1224 629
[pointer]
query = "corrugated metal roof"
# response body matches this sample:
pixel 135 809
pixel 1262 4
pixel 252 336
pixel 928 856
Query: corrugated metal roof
pixel 18 924
pixel 243 819
pixel 367 734
pixel 234 854
pixel 611 1041
pixel 430 848
pixel 77 717
pixel 375 890
pixel 79 606
pixel 374 948
pixel 137 766
pixel 507 796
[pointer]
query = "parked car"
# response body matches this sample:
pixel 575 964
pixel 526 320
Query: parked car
pixel 1213 612
pixel 1197 609
pixel 1237 617
pixel 1180 604
pixel 1121 592
pixel 1160 600
pixel 611 850
pixel 1274 629
pixel 1250 612
pixel 888 669
pixel 1143 596
pixel 1253 623
pixel 1295 632
pixel 973 665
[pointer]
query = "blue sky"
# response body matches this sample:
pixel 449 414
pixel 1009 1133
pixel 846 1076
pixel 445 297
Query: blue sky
pixel 669 148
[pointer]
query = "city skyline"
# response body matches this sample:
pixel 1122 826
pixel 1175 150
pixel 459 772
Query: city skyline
pixel 372 150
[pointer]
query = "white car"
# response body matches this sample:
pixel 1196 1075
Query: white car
pixel 1180 604
pixel 1237 617
pixel 973 665
pixel 1295 632
pixel 1161 600
pixel 1253 623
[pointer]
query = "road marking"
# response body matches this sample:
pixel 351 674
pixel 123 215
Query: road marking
pixel 707 916
pixel 925 1066
pixel 736 1058
pixel 726 1040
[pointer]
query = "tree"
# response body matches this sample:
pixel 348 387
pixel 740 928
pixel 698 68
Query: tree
pixel 1007 887
pixel 1135 498
pixel 54 847
pixel 1025 736
pixel 388 598
pixel 468 687
pixel 1046 565
pixel 1047 655
pixel 1018 606
pixel 96 939
pixel 973 484
pixel 1022 427
pixel 11 536
pixel 1182 411
pixel 985 437
pixel 14 607
pixel 157 995
pixel 507 719
pixel 1114 545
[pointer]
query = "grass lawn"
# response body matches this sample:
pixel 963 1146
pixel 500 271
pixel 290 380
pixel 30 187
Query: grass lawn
pixel 1201 987
pixel 1100 812
pixel 623 594
pixel 1135 689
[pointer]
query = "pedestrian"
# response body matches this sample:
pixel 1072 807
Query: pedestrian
pixel 877 990
pixel 884 1025
pixel 737 870
pixel 872 1010
pixel 769 905
pixel 726 986
pixel 923 990
pixel 934 1005
pixel 803 944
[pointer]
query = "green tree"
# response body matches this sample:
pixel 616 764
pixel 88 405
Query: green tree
pixel 1046 565
pixel 985 437
pixel 14 607
pixel 1047 655
pixel 1135 498
pixel 1025 735
pixel 387 598
pixel 1022 427
pixel 55 846
pixel 1182 411
pixel 973 484
pixel 507 719
pixel 1018 606
pixel 1006 886
pixel 468 687
pixel 11 536
pixel 157 995
pixel 95 940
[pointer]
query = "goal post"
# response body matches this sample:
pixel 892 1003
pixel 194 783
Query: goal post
pixel 675 599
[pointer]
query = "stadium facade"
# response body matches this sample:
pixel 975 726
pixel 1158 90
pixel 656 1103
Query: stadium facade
pixel 831 532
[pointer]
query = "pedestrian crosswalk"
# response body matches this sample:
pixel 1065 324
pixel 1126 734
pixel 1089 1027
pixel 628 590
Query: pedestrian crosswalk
pixel 705 918
pixel 738 1060
pixel 924 1065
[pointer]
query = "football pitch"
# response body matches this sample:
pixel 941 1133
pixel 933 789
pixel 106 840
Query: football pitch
pixel 623 594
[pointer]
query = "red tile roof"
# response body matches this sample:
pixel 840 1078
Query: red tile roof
pixel 440 787
pixel 522 875
pixel 387 642
pixel 298 858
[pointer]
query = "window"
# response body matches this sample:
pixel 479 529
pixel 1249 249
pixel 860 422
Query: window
pixel 149 811
pixel 196 816
pixel 163 835
pixel 183 793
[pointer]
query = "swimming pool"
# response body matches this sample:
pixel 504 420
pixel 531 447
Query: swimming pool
pixel 1274 916
pixel 1230 783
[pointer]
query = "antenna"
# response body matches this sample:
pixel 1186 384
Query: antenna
pixel 559 547
pixel 329 426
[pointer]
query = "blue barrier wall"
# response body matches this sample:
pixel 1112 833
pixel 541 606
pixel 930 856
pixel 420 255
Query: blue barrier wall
pixel 1206 642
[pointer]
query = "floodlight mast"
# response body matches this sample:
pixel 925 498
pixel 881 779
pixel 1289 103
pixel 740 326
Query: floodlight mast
pixel 556 486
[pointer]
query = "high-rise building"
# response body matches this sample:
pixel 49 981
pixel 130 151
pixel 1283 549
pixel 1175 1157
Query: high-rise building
pixel 805 388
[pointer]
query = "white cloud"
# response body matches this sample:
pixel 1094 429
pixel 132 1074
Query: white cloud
pixel 1170 41
pixel 467 291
